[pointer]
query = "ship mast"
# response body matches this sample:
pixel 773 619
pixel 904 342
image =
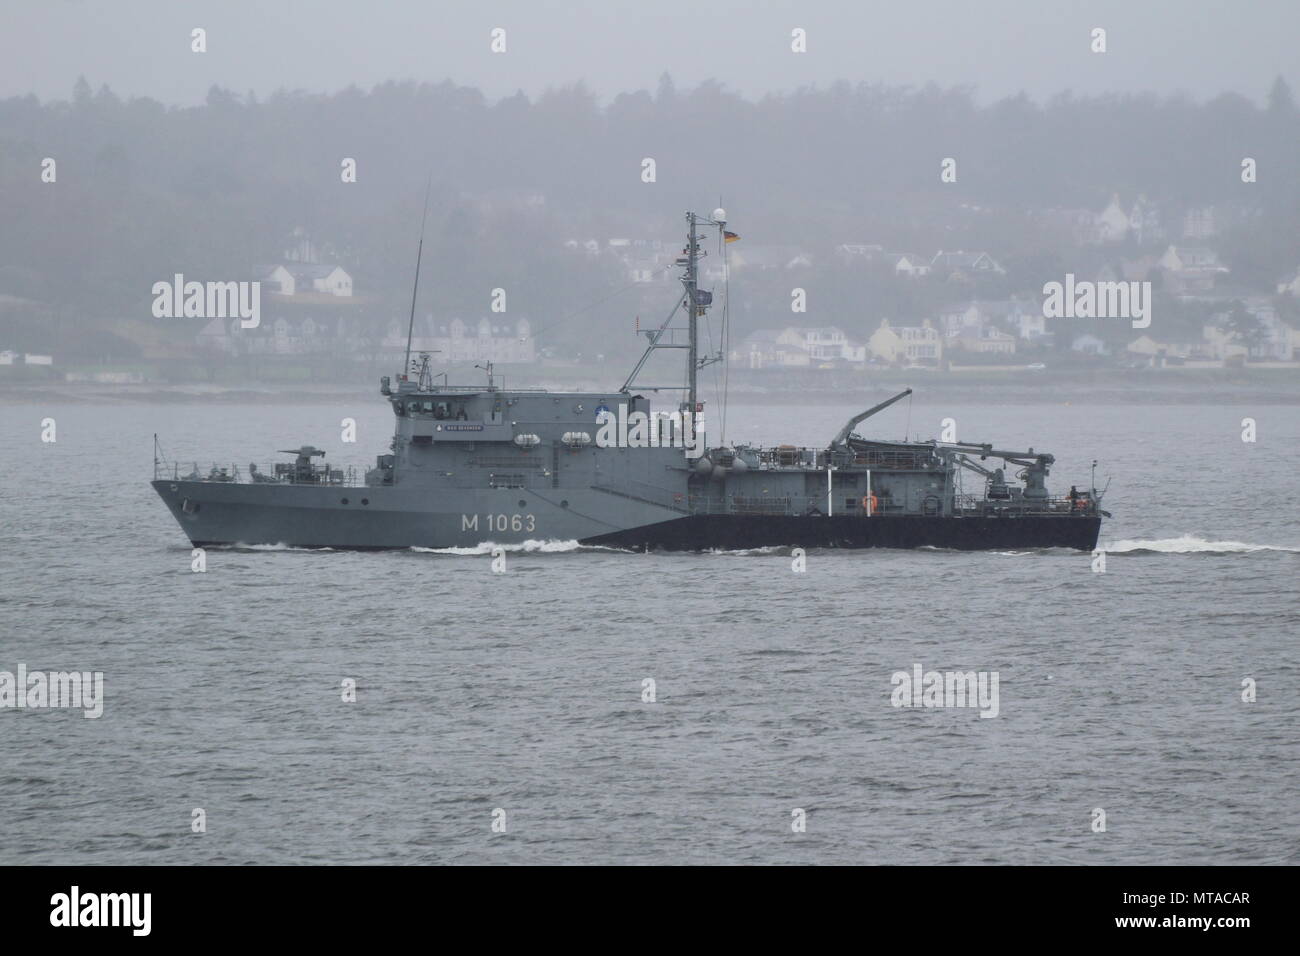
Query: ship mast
pixel 696 303
pixel 689 280
pixel 419 253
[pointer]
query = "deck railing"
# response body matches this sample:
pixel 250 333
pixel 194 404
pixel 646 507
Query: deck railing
pixel 1059 505
pixel 841 504
pixel 277 473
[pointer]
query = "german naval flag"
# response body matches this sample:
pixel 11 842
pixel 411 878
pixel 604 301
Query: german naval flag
pixel 730 236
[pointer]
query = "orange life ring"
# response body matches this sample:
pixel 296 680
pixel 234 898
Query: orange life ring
pixel 870 504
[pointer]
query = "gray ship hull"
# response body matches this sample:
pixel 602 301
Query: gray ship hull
pixel 214 513
pixel 964 533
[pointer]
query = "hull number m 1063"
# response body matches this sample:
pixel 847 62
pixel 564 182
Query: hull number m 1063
pixel 499 522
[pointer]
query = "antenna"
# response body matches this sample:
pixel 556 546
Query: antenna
pixel 419 253
pixel 693 314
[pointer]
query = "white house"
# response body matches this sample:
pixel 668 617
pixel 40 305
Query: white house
pixel 276 275
pixel 969 318
pixel 313 277
pixel 959 266
pixel 987 341
pixel 1144 221
pixel 1191 268
pixel 861 252
pixel 959 319
pixel 1089 344
pixel 298 278
pixel 1112 223
pixel 1276 340
pixel 589 246
pixel 909 265
pixel 1030 325
pixel 1290 285
pixel 826 344
pixel 459 342
pixel 763 349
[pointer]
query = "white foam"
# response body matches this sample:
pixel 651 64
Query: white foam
pixel 531 546
pixel 241 546
pixel 1190 544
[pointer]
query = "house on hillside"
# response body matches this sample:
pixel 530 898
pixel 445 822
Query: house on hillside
pixel 859 253
pixel 963 318
pixel 1190 269
pixel 1089 344
pixel 303 278
pixel 1171 350
pixel 1270 339
pixel 1144 221
pixel 458 341
pixel 908 265
pixel 764 349
pixel 1290 285
pixel 985 341
pixel 1112 224
pixel 827 344
pixel 960 266
pixel 906 344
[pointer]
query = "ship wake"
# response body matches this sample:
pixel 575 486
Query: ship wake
pixel 531 546
pixel 1189 544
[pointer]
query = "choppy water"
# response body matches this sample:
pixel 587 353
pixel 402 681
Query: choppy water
pixel 522 691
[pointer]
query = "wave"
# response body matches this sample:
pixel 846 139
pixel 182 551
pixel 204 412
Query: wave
pixel 1189 544
pixel 531 546
pixel 241 546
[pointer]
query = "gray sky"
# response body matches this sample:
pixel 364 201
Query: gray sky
pixel 142 47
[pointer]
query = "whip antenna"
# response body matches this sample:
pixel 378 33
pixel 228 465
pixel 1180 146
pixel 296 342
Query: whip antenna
pixel 419 253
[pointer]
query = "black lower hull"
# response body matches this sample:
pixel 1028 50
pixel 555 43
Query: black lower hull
pixel 737 532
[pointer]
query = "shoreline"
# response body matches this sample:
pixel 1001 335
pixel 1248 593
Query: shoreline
pixel 925 386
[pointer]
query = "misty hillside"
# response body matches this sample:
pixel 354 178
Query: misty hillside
pixel 144 191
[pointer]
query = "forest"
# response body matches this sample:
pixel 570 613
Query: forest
pixel 143 190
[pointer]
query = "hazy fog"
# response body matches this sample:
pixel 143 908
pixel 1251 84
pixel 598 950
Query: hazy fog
pixel 141 47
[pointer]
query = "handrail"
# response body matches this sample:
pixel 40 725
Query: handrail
pixel 963 506
pixel 277 473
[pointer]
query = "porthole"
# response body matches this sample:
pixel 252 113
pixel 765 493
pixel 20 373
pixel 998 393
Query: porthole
pixel 365 501
pixel 174 488
pixel 343 500
pixel 564 503
pixel 522 503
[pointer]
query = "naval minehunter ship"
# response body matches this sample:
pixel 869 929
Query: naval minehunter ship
pixel 475 464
